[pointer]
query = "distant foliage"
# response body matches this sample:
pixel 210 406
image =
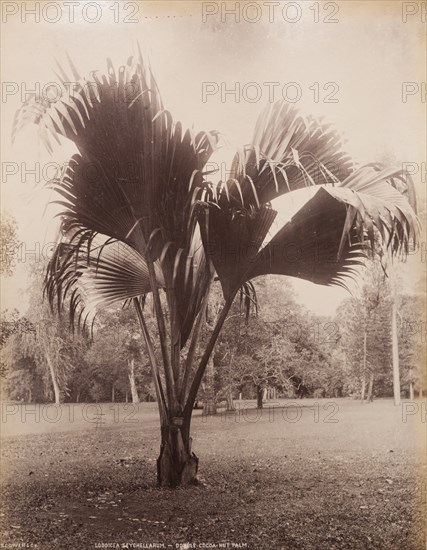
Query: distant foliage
pixel 43 360
pixel 282 348
pixel 9 244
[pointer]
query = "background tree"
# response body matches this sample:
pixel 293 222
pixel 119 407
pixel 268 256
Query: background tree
pixel 365 329
pixel 54 345
pixel 255 349
pixel 9 243
pixel 412 344
pixel 38 348
pixel 11 323
pixel 23 378
pixel 116 355
pixel 207 391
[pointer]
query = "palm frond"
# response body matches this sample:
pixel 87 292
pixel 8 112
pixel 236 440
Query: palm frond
pixel 308 247
pixel 134 165
pixel 135 179
pixel 232 239
pixel 287 153
pixel 331 233
pixel 88 273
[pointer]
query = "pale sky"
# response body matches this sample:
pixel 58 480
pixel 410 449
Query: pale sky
pixel 361 61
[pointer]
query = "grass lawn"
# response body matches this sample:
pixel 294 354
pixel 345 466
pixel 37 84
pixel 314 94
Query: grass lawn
pixel 336 474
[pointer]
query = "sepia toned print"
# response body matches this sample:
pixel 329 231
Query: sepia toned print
pixel 213 262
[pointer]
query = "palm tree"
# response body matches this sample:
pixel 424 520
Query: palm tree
pixel 140 216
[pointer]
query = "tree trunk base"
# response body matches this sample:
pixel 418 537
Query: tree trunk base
pixel 209 408
pixel 229 401
pixel 259 397
pixel 231 408
pixel 176 465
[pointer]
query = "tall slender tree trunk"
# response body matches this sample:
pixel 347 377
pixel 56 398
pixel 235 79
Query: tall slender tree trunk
pixel 395 350
pixel 131 375
pixel 113 392
pixel 411 390
pixel 56 389
pixel 259 396
pixel 370 396
pixel 230 406
pixel 209 407
pixel 363 389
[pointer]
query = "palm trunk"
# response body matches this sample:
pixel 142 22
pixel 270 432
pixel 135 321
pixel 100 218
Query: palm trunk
pixel 177 465
pixel 160 397
pixel 131 376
